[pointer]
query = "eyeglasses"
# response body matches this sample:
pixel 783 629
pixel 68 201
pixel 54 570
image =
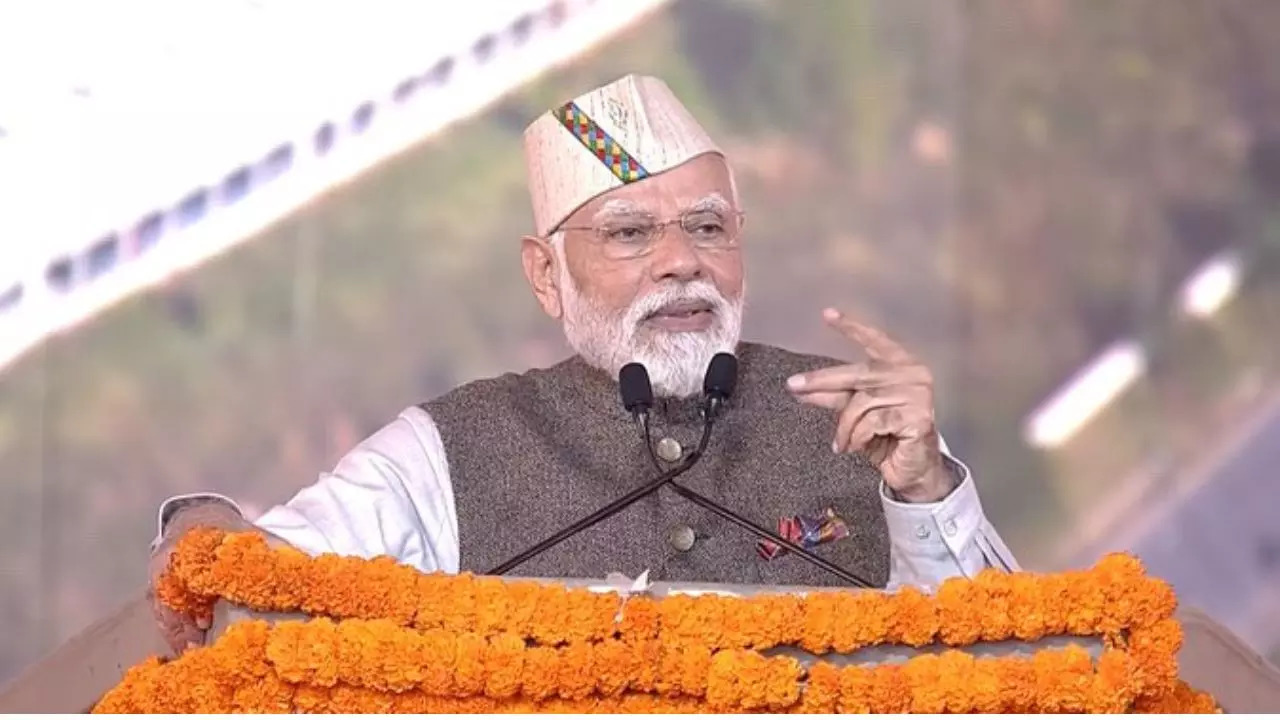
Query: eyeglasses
pixel 635 235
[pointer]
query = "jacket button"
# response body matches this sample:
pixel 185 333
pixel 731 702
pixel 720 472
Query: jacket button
pixel 681 538
pixel 669 449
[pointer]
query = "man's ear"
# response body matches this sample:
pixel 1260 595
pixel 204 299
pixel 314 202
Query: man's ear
pixel 539 260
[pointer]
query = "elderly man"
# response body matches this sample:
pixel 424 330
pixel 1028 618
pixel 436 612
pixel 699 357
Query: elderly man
pixel 638 254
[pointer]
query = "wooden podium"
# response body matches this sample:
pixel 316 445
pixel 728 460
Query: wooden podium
pixel 73 677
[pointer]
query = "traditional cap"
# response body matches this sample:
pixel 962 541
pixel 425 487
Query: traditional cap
pixel 618 134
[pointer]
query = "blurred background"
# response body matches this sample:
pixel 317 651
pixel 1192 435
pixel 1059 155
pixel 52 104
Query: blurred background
pixel 238 236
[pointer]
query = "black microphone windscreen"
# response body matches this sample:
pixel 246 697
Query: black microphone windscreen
pixel 633 384
pixel 722 376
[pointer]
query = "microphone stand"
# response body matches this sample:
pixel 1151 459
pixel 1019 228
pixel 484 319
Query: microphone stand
pixel 614 507
pixel 727 514
pixel 762 533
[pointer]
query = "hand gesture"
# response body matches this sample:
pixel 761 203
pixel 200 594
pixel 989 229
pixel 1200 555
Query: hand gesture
pixel 885 408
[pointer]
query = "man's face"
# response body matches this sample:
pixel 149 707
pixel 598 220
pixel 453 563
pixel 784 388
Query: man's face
pixel 652 273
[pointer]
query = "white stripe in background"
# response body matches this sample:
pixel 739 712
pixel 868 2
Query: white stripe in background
pixel 1212 285
pixel 1085 395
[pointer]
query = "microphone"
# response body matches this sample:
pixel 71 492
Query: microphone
pixel 718 385
pixel 637 393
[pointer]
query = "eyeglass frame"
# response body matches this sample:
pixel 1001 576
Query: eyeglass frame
pixel 660 229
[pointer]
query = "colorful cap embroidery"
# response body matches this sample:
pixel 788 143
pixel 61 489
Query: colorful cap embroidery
pixel 607 150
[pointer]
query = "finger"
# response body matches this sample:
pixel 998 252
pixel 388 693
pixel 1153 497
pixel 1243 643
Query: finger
pixel 874 341
pixel 830 400
pixel 859 376
pixel 169 621
pixel 177 630
pixel 179 633
pixel 865 410
pixel 189 637
pixel 909 423
pixel 174 640
pixel 878 449
pixel 873 425
pixel 189 633
pixel 158 564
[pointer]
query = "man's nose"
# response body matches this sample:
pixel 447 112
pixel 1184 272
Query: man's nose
pixel 674 257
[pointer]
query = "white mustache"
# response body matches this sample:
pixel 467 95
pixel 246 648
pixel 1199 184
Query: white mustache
pixel 701 291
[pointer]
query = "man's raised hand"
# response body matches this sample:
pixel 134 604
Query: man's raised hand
pixel 885 409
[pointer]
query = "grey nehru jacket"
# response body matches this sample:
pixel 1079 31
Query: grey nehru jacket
pixel 529 454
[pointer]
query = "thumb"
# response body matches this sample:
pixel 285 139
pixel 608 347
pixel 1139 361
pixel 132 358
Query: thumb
pixel 878 450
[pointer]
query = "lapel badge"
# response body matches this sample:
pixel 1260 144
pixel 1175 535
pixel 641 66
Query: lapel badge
pixel 807 531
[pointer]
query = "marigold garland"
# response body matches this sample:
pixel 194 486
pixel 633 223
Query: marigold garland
pixel 404 641
pixel 210 565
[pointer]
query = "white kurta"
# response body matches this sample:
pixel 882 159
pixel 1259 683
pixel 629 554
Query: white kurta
pixel 392 495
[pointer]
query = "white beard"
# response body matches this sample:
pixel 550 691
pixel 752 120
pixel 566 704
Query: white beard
pixel 676 361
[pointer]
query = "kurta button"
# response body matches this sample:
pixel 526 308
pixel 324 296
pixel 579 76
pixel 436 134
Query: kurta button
pixel 922 532
pixel 681 538
pixel 669 449
pixel 949 528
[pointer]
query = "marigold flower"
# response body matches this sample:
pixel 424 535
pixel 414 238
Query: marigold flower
pixel 1180 700
pixel 855 684
pixel 915 618
pixel 822 690
pixel 961 608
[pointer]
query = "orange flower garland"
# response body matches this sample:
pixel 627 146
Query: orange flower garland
pixel 404 641
pixel 1116 594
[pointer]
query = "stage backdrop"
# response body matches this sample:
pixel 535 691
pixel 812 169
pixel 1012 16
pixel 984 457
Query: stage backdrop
pixel 1009 186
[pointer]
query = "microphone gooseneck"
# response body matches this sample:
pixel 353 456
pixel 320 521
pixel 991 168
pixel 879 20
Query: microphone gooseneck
pixel 717 387
pixel 637 398
pixel 611 509
pixel 765 534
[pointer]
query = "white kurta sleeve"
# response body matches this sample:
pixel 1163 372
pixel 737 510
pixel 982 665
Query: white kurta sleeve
pixel 930 542
pixel 391 495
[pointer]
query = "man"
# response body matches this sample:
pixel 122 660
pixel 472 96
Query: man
pixel 638 254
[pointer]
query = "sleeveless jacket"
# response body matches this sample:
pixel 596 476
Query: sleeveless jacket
pixel 531 453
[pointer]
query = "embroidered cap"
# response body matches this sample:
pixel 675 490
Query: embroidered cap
pixel 623 132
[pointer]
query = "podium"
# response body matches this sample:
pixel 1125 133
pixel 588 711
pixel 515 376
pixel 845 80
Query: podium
pixel 74 676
